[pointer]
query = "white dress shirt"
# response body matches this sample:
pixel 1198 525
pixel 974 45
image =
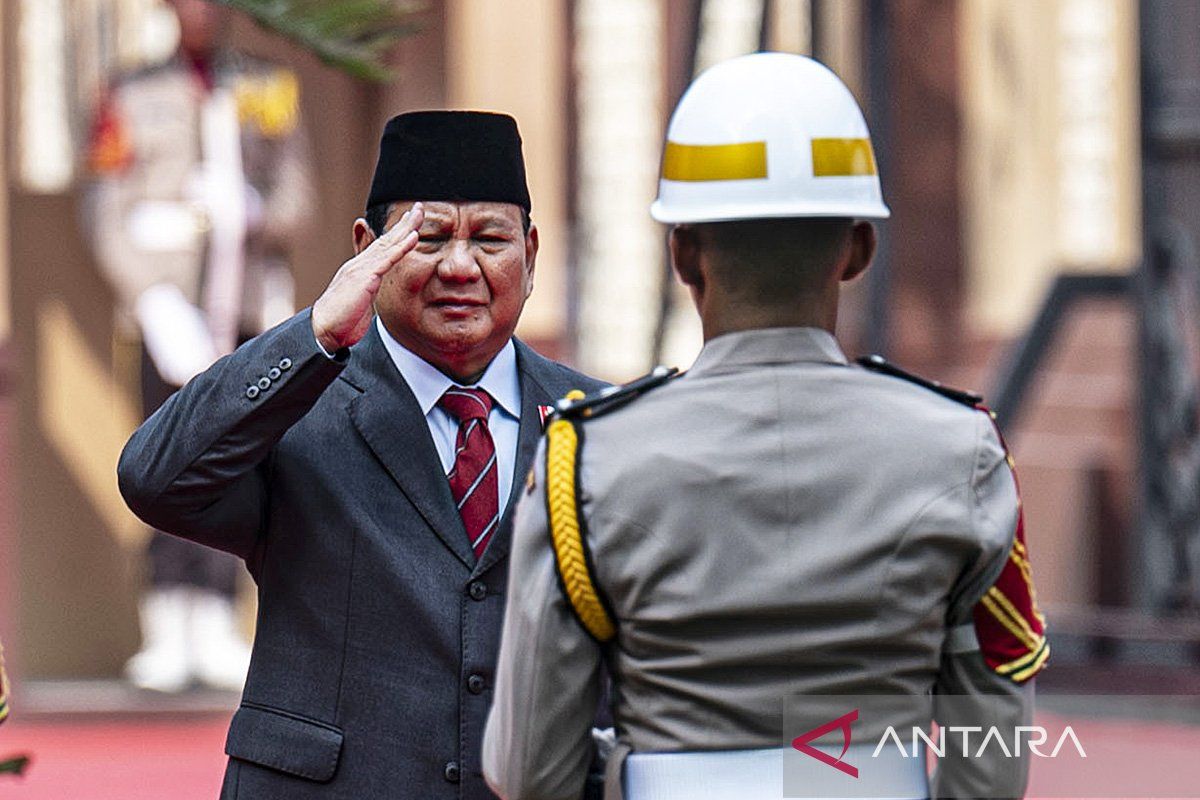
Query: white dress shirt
pixel 501 380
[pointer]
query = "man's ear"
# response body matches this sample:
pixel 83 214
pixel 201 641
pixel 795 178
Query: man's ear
pixel 862 250
pixel 531 251
pixel 363 235
pixel 685 255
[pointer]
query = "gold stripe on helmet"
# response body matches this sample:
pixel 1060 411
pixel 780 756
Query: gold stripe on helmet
pixel 842 158
pixel 715 162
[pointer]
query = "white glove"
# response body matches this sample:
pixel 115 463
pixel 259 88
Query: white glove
pixel 160 226
pixel 605 740
pixel 175 334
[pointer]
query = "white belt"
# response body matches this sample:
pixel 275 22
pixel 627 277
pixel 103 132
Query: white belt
pixel 759 775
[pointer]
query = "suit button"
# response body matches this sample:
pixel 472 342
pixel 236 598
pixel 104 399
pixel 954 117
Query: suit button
pixel 252 392
pixel 273 373
pixel 264 383
pixel 477 590
pixel 475 684
pixel 452 771
pixel 285 364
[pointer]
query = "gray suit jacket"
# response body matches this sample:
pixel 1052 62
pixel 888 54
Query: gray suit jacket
pixel 775 524
pixel 377 629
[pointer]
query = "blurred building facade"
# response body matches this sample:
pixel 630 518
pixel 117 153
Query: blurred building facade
pixel 1008 140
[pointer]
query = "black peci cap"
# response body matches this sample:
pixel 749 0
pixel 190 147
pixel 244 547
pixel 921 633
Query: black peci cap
pixel 450 155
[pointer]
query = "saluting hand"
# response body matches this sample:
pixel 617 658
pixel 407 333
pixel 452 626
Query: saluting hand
pixel 342 313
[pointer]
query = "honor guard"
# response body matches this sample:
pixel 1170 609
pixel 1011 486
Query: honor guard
pixel 200 183
pixel 13 765
pixel 777 523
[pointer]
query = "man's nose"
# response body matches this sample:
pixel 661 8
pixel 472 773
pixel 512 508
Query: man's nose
pixel 459 264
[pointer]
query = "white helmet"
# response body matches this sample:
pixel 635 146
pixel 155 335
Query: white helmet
pixel 767 135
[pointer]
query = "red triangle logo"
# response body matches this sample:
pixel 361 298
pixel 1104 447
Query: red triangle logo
pixel 801 743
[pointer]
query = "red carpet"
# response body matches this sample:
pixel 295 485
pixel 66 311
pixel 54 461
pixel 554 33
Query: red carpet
pixel 125 760
pixel 155 759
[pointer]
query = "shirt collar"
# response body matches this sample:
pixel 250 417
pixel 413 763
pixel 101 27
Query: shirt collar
pixel 428 384
pixel 765 346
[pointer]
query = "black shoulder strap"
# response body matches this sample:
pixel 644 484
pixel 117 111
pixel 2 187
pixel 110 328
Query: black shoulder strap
pixel 879 364
pixel 612 397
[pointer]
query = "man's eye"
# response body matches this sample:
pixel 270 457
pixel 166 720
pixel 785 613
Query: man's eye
pixel 491 239
pixel 432 239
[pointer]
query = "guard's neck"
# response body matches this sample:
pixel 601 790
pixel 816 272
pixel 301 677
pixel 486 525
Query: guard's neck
pixel 718 316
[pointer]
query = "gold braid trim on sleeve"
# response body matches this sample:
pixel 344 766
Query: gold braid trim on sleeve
pixel 567 532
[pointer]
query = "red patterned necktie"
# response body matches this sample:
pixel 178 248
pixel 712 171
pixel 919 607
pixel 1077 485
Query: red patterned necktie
pixel 474 481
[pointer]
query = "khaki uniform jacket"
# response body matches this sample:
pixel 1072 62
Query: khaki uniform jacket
pixel 775 523
pixel 145 157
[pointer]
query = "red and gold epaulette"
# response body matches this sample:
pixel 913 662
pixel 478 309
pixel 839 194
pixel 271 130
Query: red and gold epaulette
pixel 109 151
pixel 1008 624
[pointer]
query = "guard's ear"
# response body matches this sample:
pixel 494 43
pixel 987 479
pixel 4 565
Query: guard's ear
pixel 862 250
pixel 685 255
pixel 363 235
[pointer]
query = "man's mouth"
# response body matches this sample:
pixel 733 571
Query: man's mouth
pixel 458 303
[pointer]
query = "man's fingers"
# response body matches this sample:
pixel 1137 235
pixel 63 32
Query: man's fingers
pixel 416 218
pixel 395 252
pixel 406 245
pixel 410 221
pixel 339 312
pixel 401 239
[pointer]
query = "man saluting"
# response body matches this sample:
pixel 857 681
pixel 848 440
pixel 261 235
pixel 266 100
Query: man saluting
pixel 360 459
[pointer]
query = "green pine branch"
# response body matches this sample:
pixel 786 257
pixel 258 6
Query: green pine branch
pixel 352 35
pixel 14 766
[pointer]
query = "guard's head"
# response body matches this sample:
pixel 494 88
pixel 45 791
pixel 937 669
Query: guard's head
pixel 456 298
pixel 770 267
pixel 201 25
pixel 767 162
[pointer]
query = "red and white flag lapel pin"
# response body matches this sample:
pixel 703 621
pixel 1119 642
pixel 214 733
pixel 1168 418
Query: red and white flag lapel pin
pixel 544 412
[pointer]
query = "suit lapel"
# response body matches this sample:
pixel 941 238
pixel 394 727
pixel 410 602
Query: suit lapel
pixel 390 421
